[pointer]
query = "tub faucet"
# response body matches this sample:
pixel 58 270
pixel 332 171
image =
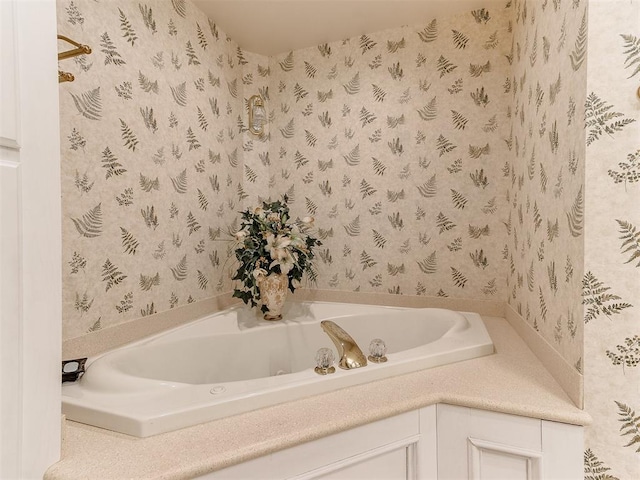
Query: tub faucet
pixel 350 354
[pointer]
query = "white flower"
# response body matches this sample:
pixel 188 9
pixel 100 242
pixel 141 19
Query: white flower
pixel 259 272
pixel 296 238
pixel 273 217
pixel 259 211
pixel 241 235
pixel 277 246
pixel 308 220
pixel 287 262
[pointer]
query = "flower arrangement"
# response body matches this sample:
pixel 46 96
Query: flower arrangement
pixel 270 242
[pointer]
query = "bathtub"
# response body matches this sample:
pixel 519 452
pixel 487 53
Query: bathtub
pixel 233 362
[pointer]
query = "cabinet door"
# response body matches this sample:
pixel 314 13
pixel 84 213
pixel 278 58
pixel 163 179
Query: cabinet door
pixel 389 463
pixel 476 444
pixel 381 450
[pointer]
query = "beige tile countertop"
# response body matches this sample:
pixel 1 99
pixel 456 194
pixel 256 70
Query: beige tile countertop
pixel 510 381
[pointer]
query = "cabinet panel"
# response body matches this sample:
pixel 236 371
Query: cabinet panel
pixel 385 466
pixel 357 447
pixel 476 444
pixel 562 445
pixel 496 461
pixel 427 451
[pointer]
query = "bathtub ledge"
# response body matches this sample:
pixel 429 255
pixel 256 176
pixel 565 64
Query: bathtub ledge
pixel 511 381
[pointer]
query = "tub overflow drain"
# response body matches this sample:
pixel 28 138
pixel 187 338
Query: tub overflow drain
pixel 217 390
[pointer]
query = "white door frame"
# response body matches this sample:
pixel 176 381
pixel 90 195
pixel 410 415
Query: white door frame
pixel 30 240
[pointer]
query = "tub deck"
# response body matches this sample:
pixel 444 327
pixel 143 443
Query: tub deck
pixel 511 381
pixel 233 362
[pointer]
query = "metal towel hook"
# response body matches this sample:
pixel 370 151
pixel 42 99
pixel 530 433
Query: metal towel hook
pixel 79 50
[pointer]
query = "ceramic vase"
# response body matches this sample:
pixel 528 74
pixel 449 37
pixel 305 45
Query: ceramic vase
pixel 273 293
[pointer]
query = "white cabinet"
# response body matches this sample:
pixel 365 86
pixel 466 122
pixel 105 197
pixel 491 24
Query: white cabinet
pixel 480 445
pixel 441 442
pixel 387 449
pixel 476 444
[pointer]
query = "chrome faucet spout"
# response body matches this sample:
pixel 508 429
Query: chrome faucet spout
pixel 350 354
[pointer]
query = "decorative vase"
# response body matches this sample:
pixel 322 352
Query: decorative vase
pixel 273 293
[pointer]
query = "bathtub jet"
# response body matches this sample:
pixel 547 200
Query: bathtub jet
pixel 233 362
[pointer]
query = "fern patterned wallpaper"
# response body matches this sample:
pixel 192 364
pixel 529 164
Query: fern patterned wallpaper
pixel 394 141
pixel 545 224
pixel 612 247
pixel 153 155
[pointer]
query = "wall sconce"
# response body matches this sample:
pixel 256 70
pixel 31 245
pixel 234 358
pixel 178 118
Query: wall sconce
pixel 257 115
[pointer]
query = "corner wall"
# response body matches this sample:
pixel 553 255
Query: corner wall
pixel 153 158
pixel 394 142
pixel 545 224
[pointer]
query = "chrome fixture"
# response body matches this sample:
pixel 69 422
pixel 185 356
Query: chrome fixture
pixel 377 351
pixel 324 361
pixel 257 115
pixel 350 354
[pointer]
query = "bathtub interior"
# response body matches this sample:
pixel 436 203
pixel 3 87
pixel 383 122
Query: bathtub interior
pixel 233 362
pixel 268 349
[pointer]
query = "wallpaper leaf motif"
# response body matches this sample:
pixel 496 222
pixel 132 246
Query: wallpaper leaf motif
pixel 460 40
pixel 366 43
pixel 147 281
pixel 595 469
pixel 147 17
pixel 459 279
pixel 598 118
pixel 111 55
pixel 575 217
pixel 595 295
pixel 630 170
pixel 90 224
pixel 352 87
pixel 129 242
pixel 89 104
pixel 630 240
pixel 627 355
pixel 430 32
pixel 127 30
pixel 579 52
pixel 128 136
pixel 146 84
pixel 632 45
pixel 179 93
pixel 111 275
pixel 429 265
pixel 74 15
pixel 429 111
pixel 445 66
pixel 630 425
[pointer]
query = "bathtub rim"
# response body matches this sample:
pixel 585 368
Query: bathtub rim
pixel 142 425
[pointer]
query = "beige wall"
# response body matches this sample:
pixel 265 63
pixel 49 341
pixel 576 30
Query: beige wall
pixel 153 158
pixel 425 221
pixel 546 194
pixel 380 137
pixel 612 273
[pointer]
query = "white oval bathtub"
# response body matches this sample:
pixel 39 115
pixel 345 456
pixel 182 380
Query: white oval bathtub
pixel 232 362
